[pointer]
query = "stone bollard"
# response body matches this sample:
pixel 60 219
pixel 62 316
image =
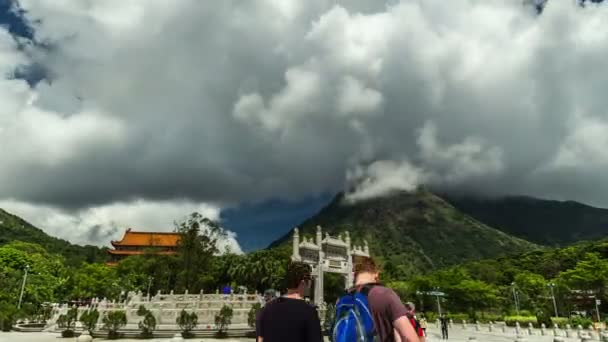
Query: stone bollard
pixel 451 323
pixel 530 329
pixel 568 330
pixel 504 328
pixel 579 331
pixel 477 326
pixel 543 329
pixel 464 324
pixel 517 328
pixel 437 323
pixel 555 330
pixel 84 337
pixel 491 326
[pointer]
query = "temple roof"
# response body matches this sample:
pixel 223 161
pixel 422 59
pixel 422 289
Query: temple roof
pixel 148 239
pixel 122 252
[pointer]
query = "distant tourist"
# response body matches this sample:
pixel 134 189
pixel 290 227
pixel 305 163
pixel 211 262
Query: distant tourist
pixel 423 324
pixel 290 318
pixel 389 316
pixel 444 327
pixel 411 314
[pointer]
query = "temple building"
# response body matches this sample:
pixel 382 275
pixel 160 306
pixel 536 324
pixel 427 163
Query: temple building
pixel 137 243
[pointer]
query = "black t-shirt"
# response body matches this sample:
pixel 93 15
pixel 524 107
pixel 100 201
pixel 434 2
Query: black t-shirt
pixel 286 319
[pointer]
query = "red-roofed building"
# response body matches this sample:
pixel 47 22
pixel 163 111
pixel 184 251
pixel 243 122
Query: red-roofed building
pixel 137 243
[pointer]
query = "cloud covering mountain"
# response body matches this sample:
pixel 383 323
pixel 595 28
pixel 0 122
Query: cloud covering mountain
pixel 220 103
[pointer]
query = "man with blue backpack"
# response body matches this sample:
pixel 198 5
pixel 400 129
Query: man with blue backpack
pixel 370 312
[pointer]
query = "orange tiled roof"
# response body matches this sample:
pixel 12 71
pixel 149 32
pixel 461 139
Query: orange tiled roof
pixel 121 252
pixel 147 239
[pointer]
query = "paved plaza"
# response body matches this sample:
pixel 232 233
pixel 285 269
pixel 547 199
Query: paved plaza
pixel 457 334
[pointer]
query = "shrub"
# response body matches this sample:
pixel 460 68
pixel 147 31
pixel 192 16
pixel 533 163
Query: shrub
pixel 113 321
pixel 8 313
pixel 578 320
pixel 253 314
pixel 458 317
pixel 187 322
pixel 148 324
pixel 68 322
pixel 560 321
pixel 523 320
pixel 223 319
pixel 89 319
pixel 330 317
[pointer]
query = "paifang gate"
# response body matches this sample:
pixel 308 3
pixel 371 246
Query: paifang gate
pixel 327 254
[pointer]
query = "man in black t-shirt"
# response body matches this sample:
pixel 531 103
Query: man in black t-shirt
pixel 290 318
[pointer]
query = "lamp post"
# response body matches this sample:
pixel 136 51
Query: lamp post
pixel 27 267
pixel 551 286
pixel 515 299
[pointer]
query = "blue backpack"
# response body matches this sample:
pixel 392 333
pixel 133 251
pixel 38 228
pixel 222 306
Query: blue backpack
pixel 354 321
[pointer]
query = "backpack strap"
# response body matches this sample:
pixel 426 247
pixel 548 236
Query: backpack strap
pixel 367 287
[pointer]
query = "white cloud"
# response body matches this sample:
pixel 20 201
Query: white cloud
pixel 101 224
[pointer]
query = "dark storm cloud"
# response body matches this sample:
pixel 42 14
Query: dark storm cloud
pixel 226 102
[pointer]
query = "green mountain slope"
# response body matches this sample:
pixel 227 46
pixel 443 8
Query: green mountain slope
pixel 15 228
pixel 541 221
pixel 415 232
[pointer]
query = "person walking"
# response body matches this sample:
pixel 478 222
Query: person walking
pixel 411 315
pixel 423 324
pixel 444 327
pixel 290 318
pixel 390 323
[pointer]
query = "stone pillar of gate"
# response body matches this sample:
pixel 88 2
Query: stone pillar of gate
pixel 318 287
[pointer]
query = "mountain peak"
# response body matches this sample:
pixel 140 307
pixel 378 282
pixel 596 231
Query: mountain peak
pixel 417 230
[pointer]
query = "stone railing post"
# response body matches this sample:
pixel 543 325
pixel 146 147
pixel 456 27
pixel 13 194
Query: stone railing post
pixel 568 330
pixel 530 329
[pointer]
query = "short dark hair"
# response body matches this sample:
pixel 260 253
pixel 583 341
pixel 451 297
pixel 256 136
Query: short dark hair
pixel 366 265
pixel 296 272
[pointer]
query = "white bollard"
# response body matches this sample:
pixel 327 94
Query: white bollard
pixel 451 323
pixel 491 326
pixel 464 324
pixel 477 326
pixel 530 329
pixel 543 328
pixel 568 330
pixel 555 330
pixel 579 331
pixel 517 328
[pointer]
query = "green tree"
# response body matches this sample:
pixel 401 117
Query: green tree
pixel 8 314
pixel 94 280
pixel 113 321
pixel 474 295
pixel 195 251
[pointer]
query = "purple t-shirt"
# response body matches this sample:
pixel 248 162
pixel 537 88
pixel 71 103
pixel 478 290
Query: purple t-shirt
pixel 386 308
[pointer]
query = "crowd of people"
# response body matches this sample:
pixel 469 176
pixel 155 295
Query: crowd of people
pixel 291 318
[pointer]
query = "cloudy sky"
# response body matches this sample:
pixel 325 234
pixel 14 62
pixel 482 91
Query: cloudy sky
pixel 121 113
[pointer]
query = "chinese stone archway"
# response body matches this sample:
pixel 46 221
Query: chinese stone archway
pixel 329 254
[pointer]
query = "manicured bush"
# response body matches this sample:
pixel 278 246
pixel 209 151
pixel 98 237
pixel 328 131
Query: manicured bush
pixel 223 319
pixel 187 322
pixel 253 314
pixel 523 320
pixel 113 321
pixel 148 324
pixel 89 319
pixel 560 321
